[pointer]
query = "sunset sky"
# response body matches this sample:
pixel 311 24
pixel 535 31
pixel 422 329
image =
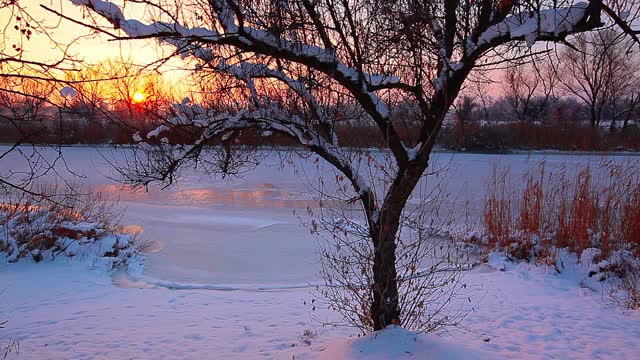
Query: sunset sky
pixel 85 46
pixel 95 48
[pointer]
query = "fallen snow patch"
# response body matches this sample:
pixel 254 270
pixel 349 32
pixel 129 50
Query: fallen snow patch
pixel 397 343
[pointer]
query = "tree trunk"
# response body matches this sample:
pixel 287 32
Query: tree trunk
pixel 627 117
pixel 462 141
pixel 592 116
pixel 385 308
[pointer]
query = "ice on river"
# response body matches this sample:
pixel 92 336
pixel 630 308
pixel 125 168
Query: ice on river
pixel 242 230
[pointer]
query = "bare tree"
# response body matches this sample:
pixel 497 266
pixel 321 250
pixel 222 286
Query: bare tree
pixel 622 99
pixel 287 64
pixel 529 90
pixel 27 86
pixel 429 266
pixel 465 108
pixel 89 92
pixel 24 117
pixel 479 90
pixel 601 71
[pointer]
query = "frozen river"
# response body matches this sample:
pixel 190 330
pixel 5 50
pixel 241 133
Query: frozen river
pixel 243 231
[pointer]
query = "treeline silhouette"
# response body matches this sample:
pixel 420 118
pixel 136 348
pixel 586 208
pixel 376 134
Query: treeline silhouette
pixel 118 126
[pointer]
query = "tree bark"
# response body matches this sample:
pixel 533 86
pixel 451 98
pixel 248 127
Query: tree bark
pixel 385 308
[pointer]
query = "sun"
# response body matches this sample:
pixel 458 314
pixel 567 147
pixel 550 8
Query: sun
pixel 138 98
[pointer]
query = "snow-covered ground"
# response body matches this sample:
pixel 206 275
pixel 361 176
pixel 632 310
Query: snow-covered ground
pixel 227 273
pixel 65 311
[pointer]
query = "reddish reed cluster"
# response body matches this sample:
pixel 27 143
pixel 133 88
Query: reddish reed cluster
pixel 575 208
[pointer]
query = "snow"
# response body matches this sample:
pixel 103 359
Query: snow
pixel 156 132
pixel 381 107
pixel 533 312
pixel 71 247
pixel 497 261
pixel 104 8
pixel 136 137
pixel 412 153
pixel 547 21
pixel 76 312
pixel 380 80
pixel 624 14
pixel 230 269
pixel 68 92
pixel 397 343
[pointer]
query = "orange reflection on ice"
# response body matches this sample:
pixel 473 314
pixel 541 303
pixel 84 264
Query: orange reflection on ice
pixel 242 198
pixel 265 196
pixel 123 192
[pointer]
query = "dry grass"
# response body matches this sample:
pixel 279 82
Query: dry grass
pixel 497 210
pixel 530 218
pixel 591 207
pixel 583 216
pixel 630 223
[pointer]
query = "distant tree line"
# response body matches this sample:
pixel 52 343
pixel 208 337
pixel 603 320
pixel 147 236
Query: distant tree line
pixel 585 96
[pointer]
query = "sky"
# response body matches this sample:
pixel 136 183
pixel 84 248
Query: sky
pixel 92 48
pixel 85 46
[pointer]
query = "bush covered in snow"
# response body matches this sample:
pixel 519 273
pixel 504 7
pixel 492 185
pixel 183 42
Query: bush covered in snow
pixel 40 228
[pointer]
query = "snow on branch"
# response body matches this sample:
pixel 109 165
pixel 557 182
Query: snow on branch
pixel 234 31
pixel 180 36
pixel 531 26
pixel 246 70
pixel 251 39
pixel 213 125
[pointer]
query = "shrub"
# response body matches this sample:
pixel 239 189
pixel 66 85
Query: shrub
pixel 41 228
